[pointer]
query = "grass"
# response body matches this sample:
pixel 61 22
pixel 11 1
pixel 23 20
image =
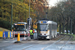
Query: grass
pixel 73 39
pixel 1 29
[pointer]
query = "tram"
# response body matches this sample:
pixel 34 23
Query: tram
pixel 46 29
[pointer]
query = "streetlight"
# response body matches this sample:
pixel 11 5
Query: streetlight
pixel 29 19
pixel 11 14
pixel 29 22
pixel 29 8
pixel 46 10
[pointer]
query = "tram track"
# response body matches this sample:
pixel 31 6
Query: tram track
pixel 66 42
pixel 45 48
pixel 42 42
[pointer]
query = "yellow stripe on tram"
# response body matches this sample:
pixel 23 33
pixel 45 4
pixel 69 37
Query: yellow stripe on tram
pixel 47 31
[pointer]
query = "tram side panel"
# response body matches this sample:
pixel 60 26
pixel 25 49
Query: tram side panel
pixel 55 30
pixel 50 31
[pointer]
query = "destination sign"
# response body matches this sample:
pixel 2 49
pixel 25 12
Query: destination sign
pixel 19 24
pixel 43 21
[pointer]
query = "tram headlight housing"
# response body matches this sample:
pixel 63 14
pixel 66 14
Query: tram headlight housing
pixel 44 34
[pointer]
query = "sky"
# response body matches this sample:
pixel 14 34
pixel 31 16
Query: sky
pixel 53 2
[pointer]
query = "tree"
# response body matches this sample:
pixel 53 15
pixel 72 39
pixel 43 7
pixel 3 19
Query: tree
pixel 64 12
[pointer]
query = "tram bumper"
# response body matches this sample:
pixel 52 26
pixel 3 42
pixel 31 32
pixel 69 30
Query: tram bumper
pixel 42 36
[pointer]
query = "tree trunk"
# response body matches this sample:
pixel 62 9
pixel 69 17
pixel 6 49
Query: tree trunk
pixel 63 28
pixel 60 28
pixel 70 25
pixel 67 26
pixel 74 28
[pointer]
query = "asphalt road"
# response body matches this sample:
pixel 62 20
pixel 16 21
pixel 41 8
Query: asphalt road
pixel 62 43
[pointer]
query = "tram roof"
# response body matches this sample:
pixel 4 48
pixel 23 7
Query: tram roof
pixel 44 19
pixel 20 23
pixel 48 21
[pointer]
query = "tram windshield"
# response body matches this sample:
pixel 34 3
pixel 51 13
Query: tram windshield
pixel 19 27
pixel 43 27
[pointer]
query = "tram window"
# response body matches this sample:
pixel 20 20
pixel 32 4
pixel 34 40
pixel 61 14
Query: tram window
pixel 50 26
pixel 43 27
pixel 19 27
pixel 54 26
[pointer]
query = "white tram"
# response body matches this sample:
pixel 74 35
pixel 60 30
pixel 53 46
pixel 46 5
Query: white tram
pixel 46 29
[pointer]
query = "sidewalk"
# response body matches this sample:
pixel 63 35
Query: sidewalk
pixel 6 40
pixel 10 40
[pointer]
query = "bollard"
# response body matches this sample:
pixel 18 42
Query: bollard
pixel 18 38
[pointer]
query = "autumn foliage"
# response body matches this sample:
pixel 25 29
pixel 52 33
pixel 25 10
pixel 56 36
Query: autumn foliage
pixel 21 10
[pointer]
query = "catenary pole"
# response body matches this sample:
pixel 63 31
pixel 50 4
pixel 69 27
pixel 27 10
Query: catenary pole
pixel 11 14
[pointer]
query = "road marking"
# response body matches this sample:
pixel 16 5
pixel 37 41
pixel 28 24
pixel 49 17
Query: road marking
pixel 27 47
pixel 8 41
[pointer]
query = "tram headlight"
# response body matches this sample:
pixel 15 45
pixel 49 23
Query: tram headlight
pixel 40 34
pixel 44 34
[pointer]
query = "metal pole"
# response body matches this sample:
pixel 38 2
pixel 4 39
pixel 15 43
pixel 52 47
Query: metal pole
pixel 11 14
pixel 24 34
pixel 29 14
pixel 29 23
pixel 29 8
pixel 46 15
